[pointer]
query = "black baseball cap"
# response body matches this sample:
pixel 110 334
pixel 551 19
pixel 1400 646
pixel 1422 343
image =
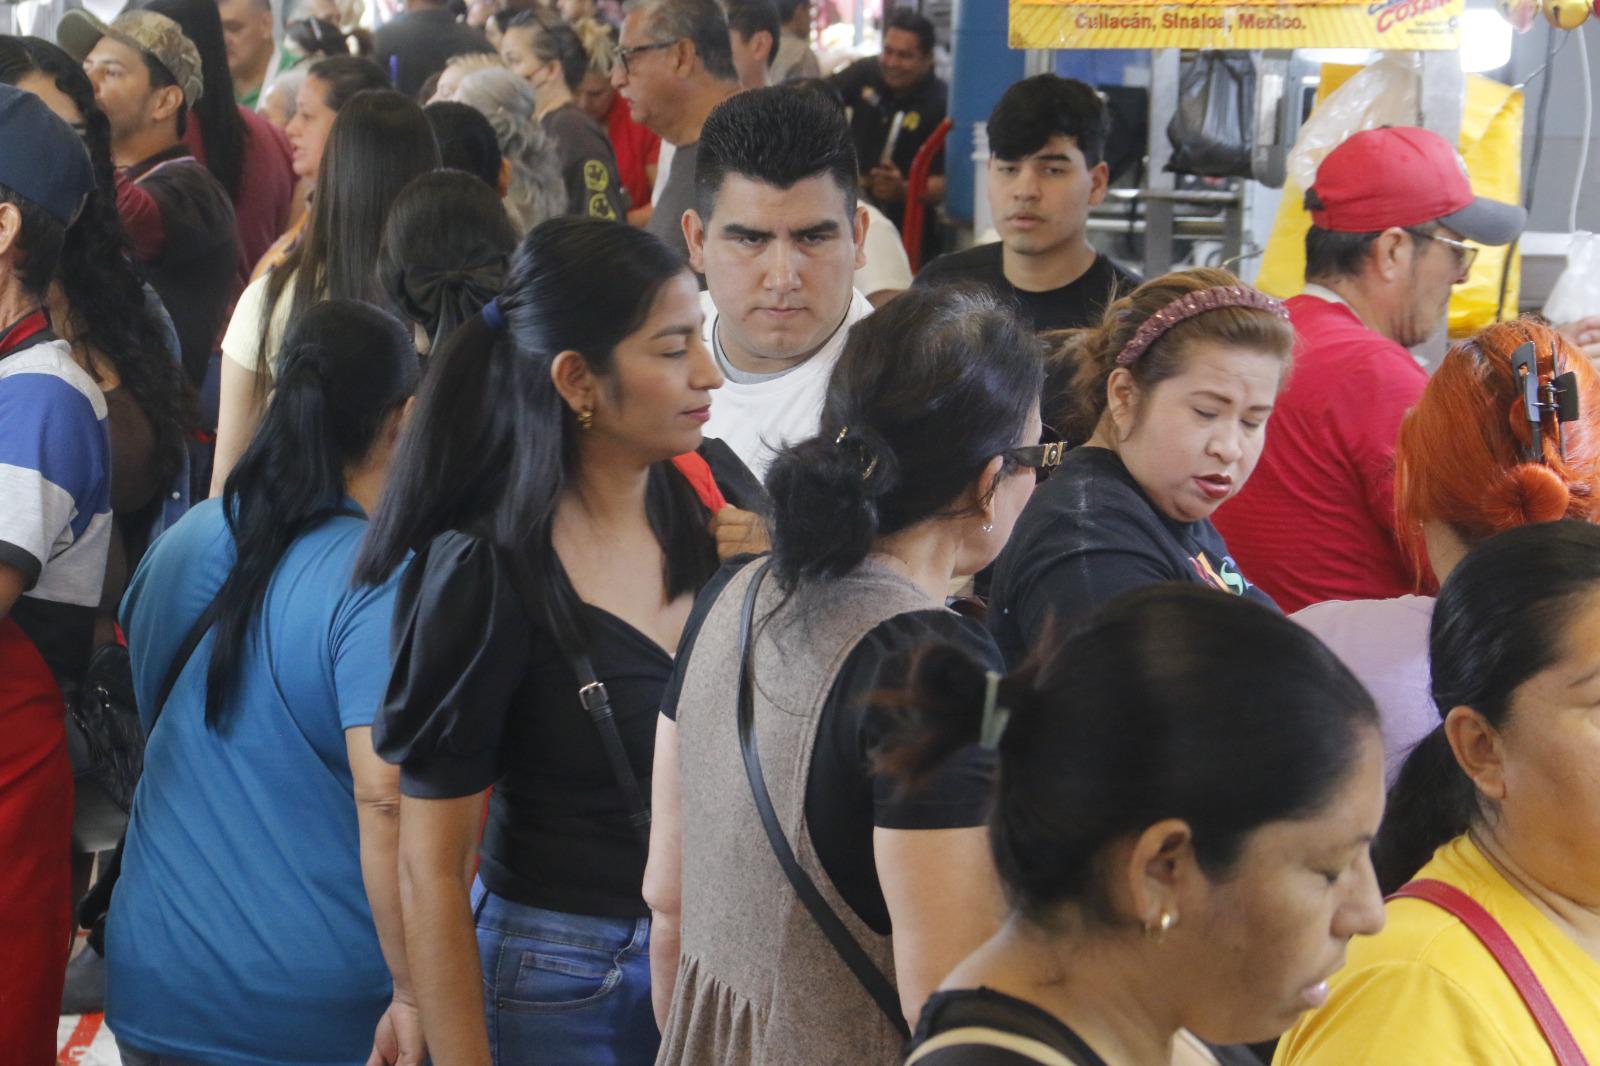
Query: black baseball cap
pixel 41 159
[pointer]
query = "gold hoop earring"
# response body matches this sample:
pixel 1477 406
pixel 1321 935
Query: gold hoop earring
pixel 1158 931
pixel 586 418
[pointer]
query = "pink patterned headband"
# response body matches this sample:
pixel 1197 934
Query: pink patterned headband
pixel 1196 303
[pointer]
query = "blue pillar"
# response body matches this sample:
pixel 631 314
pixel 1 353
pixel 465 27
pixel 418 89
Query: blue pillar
pixel 983 67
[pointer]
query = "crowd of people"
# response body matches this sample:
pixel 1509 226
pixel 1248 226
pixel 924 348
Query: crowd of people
pixel 584 601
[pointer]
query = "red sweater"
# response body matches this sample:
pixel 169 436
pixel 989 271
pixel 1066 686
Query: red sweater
pixel 636 148
pixel 1316 520
pixel 261 210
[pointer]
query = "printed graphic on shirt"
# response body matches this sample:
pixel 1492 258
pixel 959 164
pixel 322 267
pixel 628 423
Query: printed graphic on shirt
pixel 911 121
pixel 600 207
pixel 595 178
pixel 1224 576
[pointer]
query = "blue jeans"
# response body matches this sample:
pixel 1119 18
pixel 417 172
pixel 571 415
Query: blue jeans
pixel 564 989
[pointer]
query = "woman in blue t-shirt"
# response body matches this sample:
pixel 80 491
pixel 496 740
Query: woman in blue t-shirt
pixel 239 932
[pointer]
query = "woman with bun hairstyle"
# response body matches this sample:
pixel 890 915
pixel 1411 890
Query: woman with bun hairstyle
pixel 926 452
pixel 1172 392
pixel 239 930
pixel 445 248
pixel 558 550
pixel 1189 786
pixel 1463 472
pixel 1493 829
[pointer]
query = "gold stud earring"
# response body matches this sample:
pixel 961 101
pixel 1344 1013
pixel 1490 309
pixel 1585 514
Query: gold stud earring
pixel 586 418
pixel 1158 930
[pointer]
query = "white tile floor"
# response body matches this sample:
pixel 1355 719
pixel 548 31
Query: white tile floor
pixel 83 1040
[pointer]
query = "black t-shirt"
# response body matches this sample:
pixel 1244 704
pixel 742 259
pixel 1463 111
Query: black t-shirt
pixel 872 109
pixel 588 165
pixel 415 45
pixel 1075 305
pixel 196 273
pixel 984 1008
pixel 1088 535
pixel 845 799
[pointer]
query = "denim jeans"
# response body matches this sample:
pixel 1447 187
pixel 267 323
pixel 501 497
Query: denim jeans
pixel 564 989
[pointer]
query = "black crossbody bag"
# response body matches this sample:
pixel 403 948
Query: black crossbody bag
pixel 877 984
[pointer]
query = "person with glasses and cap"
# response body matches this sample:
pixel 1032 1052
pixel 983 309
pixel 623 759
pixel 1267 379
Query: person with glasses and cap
pixel 55 530
pixel 1392 212
pixel 179 218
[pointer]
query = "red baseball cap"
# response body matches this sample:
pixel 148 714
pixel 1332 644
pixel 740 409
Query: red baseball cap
pixel 1405 176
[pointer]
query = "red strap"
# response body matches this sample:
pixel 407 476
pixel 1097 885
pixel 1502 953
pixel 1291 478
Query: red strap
pixel 698 473
pixel 1498 941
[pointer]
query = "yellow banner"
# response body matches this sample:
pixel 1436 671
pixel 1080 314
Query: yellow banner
pixel 1245 24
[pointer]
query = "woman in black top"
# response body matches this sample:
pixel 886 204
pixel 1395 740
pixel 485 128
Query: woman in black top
pixel 1172 393
pixel 925 454
pixel 1189 788
pixel 553 535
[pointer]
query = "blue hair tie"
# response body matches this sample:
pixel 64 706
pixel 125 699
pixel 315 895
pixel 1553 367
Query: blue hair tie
pixel 493 317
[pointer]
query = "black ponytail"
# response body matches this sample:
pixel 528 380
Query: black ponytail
pixel 1173 701
pixel 928 390
pixel 346 369
pixel 1501 618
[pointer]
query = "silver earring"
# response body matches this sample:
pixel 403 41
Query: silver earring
pixel 988 527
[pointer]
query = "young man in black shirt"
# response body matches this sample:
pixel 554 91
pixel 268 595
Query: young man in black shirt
pixel 899 81
pixel 1046 138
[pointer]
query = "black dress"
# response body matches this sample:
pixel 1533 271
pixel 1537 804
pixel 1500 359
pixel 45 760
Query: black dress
pixel 984 1008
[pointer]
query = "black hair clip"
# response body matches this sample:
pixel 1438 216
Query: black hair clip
pixel 1557 397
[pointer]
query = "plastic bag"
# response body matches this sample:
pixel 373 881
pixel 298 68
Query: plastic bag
pixel 1212 130
pixel 1577 291
pixel 1386 93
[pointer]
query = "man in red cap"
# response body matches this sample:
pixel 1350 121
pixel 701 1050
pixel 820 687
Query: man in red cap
pixel 1392 211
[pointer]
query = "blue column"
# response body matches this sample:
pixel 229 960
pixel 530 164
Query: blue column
pixel 983 67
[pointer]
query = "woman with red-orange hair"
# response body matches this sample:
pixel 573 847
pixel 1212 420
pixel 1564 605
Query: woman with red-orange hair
pixel 1465 469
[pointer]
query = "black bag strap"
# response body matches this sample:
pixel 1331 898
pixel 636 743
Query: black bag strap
pixel 207 619
pixel 597 701
pixel 878 986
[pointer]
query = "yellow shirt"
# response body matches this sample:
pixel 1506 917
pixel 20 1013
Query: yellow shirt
pixel 1426 991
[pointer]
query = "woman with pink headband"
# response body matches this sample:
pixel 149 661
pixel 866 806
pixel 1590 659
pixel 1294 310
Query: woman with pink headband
pixel 1171 395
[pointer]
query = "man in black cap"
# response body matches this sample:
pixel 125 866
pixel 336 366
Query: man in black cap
pixel 179 218
pixel 55 527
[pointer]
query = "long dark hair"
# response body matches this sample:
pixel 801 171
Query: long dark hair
pixel 347 367
pixel 928 390
pixel 445 249
pixel 222 130
pixel 1501 618
pixel 347 75
pixel 107 304
pixel 379 142
pixel 1173 701
pixel 492 444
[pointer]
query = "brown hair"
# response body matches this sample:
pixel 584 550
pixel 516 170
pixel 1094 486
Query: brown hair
pixel 1092 352
pixel 1461 458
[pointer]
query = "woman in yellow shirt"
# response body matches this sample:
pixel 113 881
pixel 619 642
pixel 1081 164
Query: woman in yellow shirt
pixel 1506 791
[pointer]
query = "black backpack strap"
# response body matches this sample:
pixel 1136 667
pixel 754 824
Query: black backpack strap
pixel 597 701
pixel 855 957
pixel 191 641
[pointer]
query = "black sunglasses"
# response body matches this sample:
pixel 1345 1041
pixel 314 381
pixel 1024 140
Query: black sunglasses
pixel 1040 458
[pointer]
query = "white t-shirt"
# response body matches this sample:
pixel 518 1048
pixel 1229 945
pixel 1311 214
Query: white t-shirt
pixel 242 341
pixel 887 265
pixel 760 415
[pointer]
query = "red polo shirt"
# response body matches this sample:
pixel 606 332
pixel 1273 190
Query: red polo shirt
pixel 636 148
pixel 1316 520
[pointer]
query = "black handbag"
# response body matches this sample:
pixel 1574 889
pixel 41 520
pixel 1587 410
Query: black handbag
pixel 877 984
pixel 104 736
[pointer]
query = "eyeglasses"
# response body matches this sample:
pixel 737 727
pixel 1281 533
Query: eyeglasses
pixel 1040 458
pixel 629 51
pixel 1465 254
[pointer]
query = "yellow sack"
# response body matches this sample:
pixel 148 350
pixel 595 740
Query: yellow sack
pixel 1491 145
